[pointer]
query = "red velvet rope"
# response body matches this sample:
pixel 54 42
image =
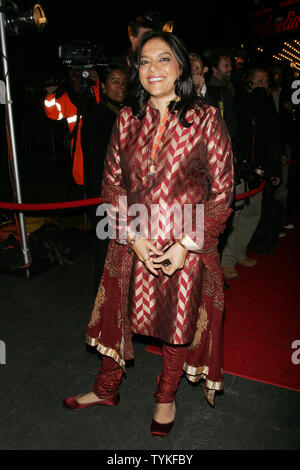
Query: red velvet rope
pixel 238 197
pixel 291 162
pixel 50 205
pixel 90 202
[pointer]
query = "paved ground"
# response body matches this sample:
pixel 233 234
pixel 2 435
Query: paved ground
pixel 42 325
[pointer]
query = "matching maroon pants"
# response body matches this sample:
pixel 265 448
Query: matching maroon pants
pixel 108 379
pixel 110 375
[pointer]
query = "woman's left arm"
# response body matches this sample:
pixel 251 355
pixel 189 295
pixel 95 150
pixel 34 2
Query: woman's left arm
pixel 219 169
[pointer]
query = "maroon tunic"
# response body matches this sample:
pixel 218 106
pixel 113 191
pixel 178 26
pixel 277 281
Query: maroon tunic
pixel 194 166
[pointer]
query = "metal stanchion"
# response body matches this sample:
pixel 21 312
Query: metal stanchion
pixel 35 17
pixel 15 169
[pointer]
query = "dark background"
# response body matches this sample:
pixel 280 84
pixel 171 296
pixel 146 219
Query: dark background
pixel 33 56
pixel 34 61
pixel 203 25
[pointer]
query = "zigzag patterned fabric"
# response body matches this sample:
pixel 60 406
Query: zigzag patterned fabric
pixel 193 166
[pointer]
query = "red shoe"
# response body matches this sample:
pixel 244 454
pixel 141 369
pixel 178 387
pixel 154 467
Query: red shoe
pixel 73 404
pixel 159 429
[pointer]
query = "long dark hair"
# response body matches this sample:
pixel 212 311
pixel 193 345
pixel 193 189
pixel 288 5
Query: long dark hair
pixel 138 96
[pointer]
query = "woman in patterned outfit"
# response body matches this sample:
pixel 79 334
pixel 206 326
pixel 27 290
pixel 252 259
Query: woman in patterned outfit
pixel 164 150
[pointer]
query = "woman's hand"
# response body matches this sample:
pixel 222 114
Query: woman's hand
pixel 177 256
pixel 144 250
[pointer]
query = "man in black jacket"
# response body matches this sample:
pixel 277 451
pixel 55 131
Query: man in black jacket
pixel 256 143
pixel 217 96
pixel 281 94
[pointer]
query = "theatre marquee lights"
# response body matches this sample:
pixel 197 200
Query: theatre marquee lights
pixel 291 53
pixel 277 30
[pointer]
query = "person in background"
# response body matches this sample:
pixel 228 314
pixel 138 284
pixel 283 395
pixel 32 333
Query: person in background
pixel 256 143
pixel 62 102
pixel 164 149
pixel 221 67
pixel 269 229
pixel 240 64
pixel 281 95
pixel 147 21
pixel 217 96
pixel 95 133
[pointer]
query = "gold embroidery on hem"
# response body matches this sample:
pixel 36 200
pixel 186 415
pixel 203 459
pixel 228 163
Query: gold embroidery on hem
pixel 119 317
pixel 210 344
pixel 201 326
pixel 91 341
pixel 106 351
pixel 195 374
pixel 100 299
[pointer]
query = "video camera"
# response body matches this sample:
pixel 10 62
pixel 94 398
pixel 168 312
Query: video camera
pixel 253 175
pixel 82 55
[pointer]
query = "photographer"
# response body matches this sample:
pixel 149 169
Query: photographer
pixel 62 102
pixel 257 147
pixel 95 133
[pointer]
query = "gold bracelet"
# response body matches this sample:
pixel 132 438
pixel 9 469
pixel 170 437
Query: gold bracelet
pixel 131 243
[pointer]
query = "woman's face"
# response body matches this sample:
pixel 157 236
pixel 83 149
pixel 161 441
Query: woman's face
pixel 115 85
pixel 158 69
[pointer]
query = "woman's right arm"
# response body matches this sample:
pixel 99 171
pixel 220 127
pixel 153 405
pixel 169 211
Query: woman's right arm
pixel 114 193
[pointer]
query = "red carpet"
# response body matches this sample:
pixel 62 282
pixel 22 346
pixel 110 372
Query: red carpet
pixel 262 317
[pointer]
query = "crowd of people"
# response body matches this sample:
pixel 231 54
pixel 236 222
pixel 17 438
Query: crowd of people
pixel 257 108
pixel 255 102
pixel 234 127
